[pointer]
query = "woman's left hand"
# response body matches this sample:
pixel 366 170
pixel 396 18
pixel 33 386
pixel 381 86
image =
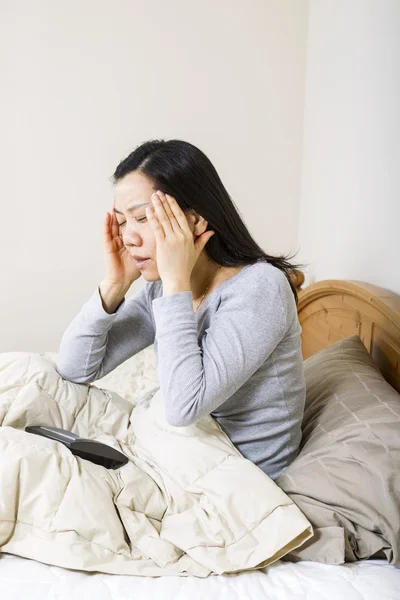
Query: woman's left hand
pixel 177 251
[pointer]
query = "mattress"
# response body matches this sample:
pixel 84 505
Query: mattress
pixel 24 578
pixel 366 580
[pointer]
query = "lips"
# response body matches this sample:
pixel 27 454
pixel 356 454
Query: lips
pixel 141 263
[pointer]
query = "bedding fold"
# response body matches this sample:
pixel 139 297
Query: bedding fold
pixel 186 503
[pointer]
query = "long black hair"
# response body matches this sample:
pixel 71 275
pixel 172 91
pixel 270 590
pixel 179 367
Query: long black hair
pixel 183 171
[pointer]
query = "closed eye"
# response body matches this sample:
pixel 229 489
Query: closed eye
pixel 138 220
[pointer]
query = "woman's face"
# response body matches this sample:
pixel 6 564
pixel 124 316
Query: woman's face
pixel 132 196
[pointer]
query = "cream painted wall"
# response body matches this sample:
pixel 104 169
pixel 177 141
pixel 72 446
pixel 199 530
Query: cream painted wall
pixel 86 81
pixel 350 207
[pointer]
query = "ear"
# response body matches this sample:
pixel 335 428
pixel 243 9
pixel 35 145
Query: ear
pixel 196 222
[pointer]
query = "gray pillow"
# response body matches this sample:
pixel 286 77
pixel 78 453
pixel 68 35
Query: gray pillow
pixel 346 478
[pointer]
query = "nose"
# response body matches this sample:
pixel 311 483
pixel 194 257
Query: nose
pixel 130 237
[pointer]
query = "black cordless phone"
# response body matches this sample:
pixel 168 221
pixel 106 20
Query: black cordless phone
pixel 96 452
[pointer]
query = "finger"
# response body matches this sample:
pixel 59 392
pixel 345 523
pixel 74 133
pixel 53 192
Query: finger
pixel 155 224
pixel 178 213
pixel 162 215
pixel 107 228
pixel 172 219
pixel 114 225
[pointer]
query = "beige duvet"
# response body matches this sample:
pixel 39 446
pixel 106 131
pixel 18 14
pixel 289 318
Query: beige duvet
pixel 186 503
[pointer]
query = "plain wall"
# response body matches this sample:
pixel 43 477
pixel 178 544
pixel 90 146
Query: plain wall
pixel 350 208
pixel 86 82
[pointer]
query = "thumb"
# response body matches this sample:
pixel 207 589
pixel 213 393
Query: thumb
pixel 202 240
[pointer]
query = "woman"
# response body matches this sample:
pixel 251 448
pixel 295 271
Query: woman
pixel 221 313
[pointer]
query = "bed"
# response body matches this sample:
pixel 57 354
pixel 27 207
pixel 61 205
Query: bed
pixel 329 311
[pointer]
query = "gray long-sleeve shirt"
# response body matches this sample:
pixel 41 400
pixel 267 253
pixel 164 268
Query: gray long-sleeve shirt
pixel 238 358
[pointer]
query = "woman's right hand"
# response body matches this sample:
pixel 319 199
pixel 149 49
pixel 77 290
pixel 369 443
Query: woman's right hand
pixel 120 266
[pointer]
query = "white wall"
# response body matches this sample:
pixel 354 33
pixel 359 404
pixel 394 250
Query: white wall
pixel 86 81
pixel 350 197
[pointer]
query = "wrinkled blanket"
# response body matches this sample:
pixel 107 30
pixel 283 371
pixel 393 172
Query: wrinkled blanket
pixel 186 503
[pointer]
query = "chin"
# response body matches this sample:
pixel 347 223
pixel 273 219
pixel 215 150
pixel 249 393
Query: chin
pixel 149 276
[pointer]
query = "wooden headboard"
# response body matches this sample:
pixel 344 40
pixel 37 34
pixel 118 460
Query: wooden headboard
pixel 334 309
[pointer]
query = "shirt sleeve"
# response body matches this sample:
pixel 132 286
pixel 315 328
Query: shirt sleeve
pixel 96 342
pixel 198 376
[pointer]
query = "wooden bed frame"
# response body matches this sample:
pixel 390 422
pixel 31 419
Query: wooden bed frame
pixel 333 309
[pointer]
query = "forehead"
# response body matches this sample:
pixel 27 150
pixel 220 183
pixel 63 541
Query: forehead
pixel 132 191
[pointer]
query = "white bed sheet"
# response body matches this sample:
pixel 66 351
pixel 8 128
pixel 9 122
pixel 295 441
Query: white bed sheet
pixel 366 580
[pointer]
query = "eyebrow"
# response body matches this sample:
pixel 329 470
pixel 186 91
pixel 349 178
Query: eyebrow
pixel 132 207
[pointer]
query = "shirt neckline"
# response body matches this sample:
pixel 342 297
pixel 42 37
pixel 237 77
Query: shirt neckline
pixel 234 277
